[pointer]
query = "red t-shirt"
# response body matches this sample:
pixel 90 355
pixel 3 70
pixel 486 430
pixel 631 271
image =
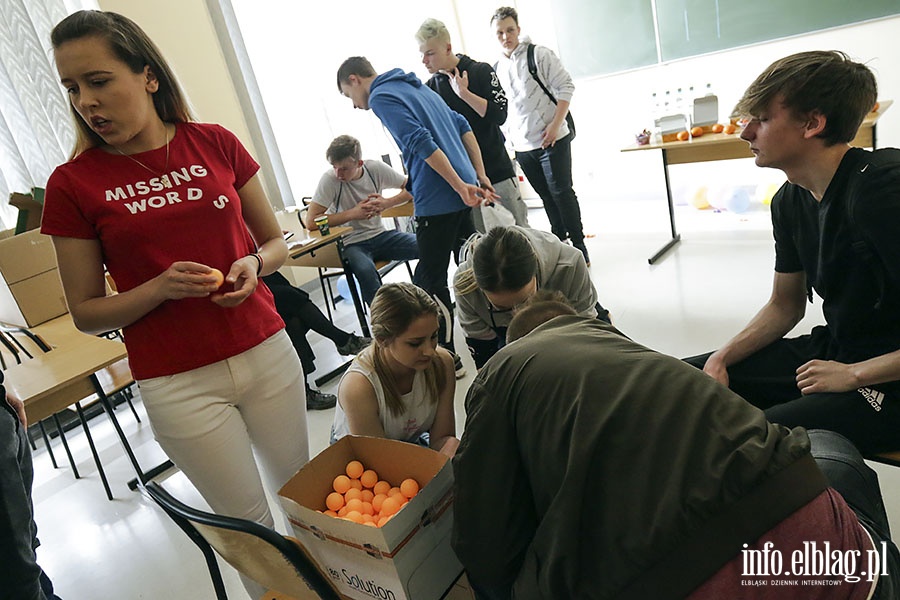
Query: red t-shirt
pixel 145 222
pixel 798 546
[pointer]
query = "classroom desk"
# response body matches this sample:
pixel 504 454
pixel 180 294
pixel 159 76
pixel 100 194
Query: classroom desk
pixel 55 380
pixel 312 249
pixel 721 146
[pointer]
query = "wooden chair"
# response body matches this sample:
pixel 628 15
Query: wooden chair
pixel 275 561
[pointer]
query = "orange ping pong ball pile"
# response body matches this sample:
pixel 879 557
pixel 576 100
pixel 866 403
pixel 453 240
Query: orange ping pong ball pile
pixel 360 496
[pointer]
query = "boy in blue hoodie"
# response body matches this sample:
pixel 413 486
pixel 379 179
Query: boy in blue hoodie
pixel 444 164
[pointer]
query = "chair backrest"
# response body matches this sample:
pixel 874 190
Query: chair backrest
pixel 262 554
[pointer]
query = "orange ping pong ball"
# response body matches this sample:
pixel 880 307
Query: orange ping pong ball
pixel 334 501
pixel 354 469
pixel 409 488
pixel 341 484
pixel 220 279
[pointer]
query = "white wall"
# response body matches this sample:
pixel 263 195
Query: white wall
pixel 610 110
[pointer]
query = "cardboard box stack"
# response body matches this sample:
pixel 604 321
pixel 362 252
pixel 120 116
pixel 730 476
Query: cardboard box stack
pixel 410 556
pixel 30 290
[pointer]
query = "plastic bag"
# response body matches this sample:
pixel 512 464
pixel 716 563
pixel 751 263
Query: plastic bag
pixel 496 215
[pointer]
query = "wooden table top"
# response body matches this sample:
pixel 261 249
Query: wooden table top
pixel 65 365
pixel 305 242
pixel 723 146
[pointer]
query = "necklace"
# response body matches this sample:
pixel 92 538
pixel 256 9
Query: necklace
pixel 142 164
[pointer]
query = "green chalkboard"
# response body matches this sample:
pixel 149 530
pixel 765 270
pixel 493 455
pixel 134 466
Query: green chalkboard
pixel 691 27
pixel 604 36
pixel 597 37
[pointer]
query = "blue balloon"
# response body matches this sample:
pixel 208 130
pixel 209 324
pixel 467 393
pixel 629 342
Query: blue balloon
pixel 343 288
pixel 738 201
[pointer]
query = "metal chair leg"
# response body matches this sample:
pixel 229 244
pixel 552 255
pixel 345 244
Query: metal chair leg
pixel 65 443
pixel 128 395
pixel 47 444
pixel 90 439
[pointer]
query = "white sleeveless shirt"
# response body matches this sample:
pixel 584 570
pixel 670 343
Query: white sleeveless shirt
pixel 416 419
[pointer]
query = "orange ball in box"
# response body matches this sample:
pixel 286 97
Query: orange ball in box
pixel 390 506
pixel 382 487
pixel 353 494
pixel 354 469
pixel 409 487
pixel 368 479
pixel 341 484
pixel 334 501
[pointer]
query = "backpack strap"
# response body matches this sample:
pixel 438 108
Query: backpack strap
pixel 532 68
pixel 861 246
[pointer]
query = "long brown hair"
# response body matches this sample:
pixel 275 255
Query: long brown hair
pixel 133 47
pixel 395 307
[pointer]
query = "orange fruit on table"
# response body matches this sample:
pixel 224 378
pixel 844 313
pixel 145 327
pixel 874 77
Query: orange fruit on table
pixel 354 469
pixel 696 131
pixel 729 129
pixel 717 128
pixel 220 279
pixel 683 136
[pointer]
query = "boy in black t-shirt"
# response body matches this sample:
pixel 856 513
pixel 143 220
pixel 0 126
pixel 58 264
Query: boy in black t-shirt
pixel 835 226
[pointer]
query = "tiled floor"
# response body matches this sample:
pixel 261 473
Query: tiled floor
pixel 696 298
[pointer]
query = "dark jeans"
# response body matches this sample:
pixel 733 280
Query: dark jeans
pixel 439 236
pixel 362 256
pixel 549 171
pixel 300 315
pixel 846 472
pixel 768 380
pixel 21 578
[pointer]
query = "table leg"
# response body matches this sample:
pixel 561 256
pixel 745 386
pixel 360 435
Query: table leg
pixel 354 292
pixel 676 237
pixel 142 476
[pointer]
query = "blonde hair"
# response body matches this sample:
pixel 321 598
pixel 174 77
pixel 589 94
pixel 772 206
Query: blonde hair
pixel 432 29
pixel 130 44
pixel 395 307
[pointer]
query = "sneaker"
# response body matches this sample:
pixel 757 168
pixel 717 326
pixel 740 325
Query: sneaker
pixel 354 345
pixel 457 364
pixel 316 400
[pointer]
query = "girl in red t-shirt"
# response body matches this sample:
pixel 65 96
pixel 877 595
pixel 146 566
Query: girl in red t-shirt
pixel 163 203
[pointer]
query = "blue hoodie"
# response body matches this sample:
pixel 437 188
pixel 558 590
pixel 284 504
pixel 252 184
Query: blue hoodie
pixel 421 122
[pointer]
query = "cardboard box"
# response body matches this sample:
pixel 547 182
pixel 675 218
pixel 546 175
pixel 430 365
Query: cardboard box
pixel 26 255
pixel 32 301
pixel 30 290
pixel 410 557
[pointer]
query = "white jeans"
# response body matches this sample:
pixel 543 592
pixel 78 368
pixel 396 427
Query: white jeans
pixel 209 420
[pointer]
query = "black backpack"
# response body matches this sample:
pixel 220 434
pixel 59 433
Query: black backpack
pixel 532 68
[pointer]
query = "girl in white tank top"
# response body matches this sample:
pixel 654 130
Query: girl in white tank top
pixel 402 386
